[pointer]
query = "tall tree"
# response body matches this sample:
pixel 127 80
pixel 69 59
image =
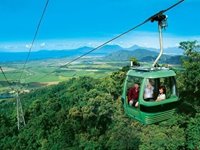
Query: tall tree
pixel 190 77
pixel 134 61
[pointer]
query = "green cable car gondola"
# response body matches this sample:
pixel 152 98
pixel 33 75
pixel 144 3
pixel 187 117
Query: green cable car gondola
pixel 148 108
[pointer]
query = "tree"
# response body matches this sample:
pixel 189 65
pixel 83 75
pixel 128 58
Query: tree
pixel 189 78
pixel 134 61
pixel 193 133
pixel 124 135
pixel 162 137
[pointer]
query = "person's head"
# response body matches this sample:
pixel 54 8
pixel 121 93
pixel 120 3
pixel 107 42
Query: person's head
pixel 151 81
pixel 136 86
pixel 149 85
pixel 162 90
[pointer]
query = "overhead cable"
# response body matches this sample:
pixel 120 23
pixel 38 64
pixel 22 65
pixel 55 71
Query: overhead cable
pixel 34 38
pixel 6 79
pixel 152 18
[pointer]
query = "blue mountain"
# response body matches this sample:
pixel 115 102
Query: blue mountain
pixel 110 51
pixel 53 54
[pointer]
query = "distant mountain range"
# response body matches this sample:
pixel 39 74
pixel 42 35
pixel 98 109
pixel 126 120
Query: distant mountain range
pixel 143 55
pixel 126 54
pixel 167 51
pixel 108 52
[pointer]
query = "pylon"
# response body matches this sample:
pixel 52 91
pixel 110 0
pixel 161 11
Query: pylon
pixel 20 116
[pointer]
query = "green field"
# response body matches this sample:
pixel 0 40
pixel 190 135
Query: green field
pixel 47 72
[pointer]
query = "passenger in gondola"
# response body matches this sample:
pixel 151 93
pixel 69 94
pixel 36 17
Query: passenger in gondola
pixel 162 94
pixel 148 92
pixel 133 95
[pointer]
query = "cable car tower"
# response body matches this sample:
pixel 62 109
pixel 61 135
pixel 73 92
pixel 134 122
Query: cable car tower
pixel 20 115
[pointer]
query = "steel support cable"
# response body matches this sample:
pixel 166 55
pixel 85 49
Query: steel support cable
pixel 152 18
pixel 34 38
pixel 6 79
pixel 20 115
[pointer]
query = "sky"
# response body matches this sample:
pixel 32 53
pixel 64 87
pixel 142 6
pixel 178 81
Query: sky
pixel 69 24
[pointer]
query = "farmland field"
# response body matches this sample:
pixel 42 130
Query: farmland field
pixel 41 73
pixel 46 72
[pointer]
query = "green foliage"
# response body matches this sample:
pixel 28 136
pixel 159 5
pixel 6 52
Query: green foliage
pixel 189 78
pixel 134 61
pixel 124 135
pixel 158 137
pixel 86 113
pixel 193 133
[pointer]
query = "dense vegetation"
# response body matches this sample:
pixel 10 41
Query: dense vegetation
pixel 86 113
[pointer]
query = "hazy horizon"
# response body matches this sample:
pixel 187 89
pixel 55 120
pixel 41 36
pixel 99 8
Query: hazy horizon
pixel 83 46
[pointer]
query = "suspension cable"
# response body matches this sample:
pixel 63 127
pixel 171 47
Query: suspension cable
pixel 152 18
pixel 34 38
pixel 6 79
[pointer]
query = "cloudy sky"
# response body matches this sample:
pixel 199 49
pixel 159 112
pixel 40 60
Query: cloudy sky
pixel 74 23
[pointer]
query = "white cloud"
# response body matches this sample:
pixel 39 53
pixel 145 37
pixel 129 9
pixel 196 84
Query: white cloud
pixel 28 46
pixel 151 39
pixel 42 44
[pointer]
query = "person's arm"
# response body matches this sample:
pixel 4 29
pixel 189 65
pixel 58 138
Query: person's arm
pixel 129 94
pixel 161 97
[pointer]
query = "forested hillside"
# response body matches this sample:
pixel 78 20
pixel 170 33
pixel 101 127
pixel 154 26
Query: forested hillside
pixel 143 55
pixel 86 113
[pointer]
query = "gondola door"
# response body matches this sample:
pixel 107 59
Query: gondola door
pixel 132 109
